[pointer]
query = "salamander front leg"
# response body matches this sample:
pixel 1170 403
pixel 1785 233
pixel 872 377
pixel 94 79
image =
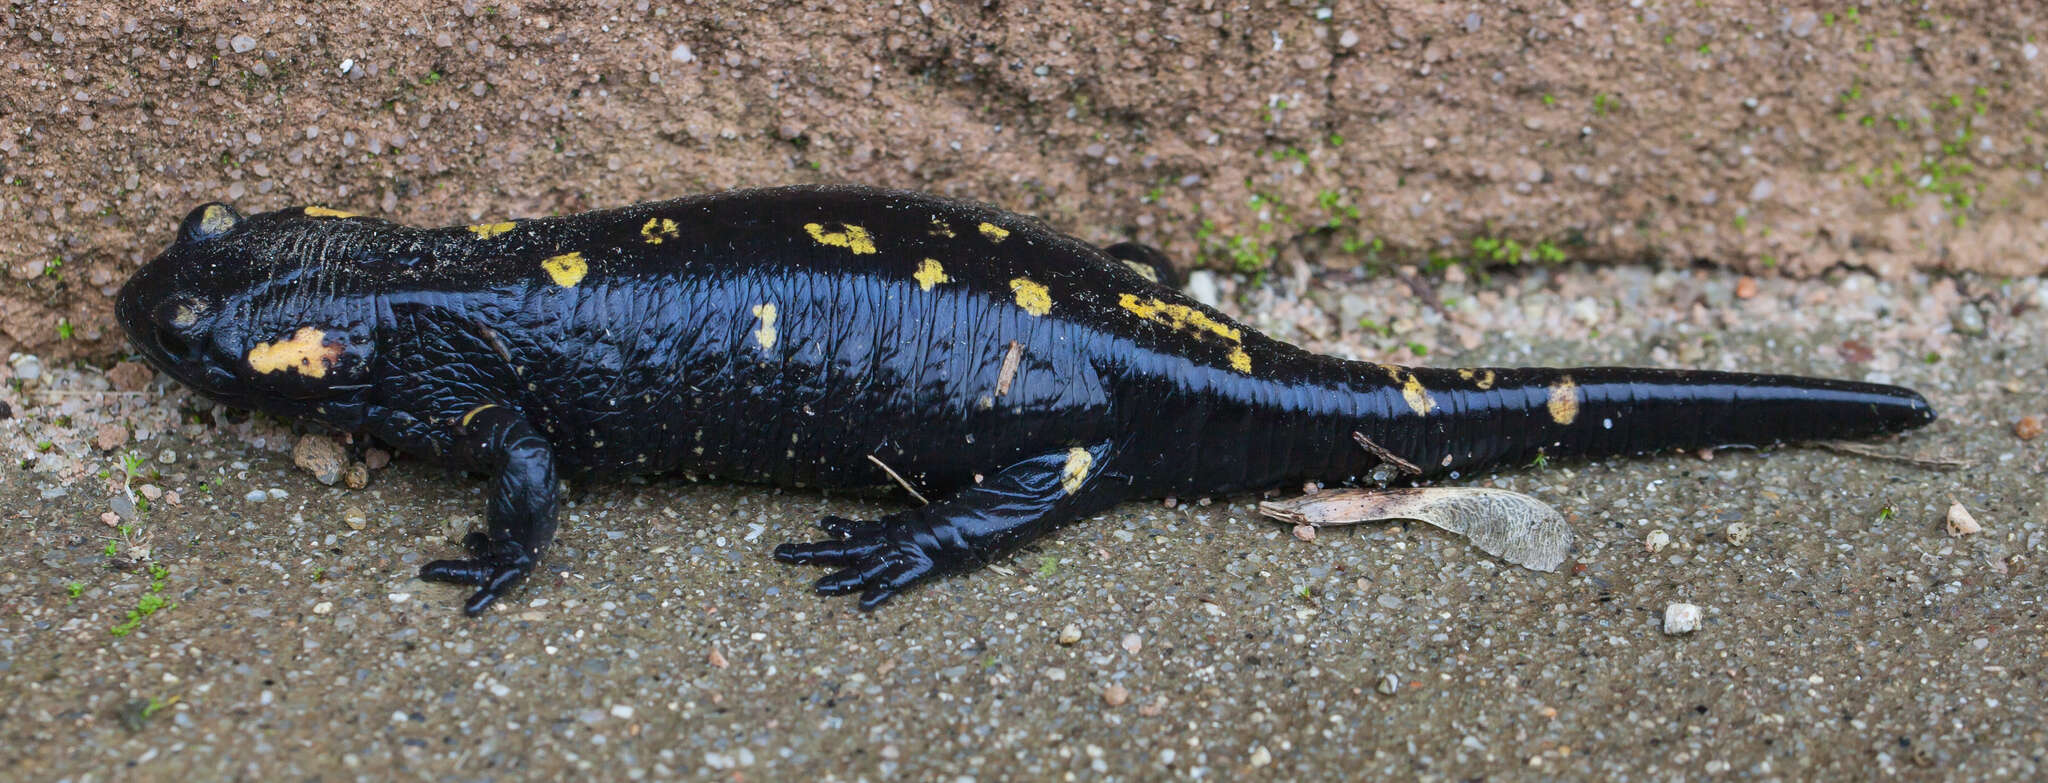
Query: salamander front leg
pixel 961 532
pixel 521 510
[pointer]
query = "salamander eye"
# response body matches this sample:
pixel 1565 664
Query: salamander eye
pixel 208 221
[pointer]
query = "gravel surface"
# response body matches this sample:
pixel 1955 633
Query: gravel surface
pixel 181 601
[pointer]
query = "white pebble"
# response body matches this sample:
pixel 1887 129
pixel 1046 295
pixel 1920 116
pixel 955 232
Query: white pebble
pixel 1681 619
pixel 622 711
pixel 256 496
pixel 682 54
pixel 1656 541
pixel 242 43
pixel 1070 634
pixel 1960 522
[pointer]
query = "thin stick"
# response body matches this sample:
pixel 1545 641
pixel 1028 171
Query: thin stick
pixel 1860 450
pixel 1386 456
pixel 899 479
pixel 1009 371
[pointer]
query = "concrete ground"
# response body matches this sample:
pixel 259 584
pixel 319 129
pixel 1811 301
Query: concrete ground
pixel 265 626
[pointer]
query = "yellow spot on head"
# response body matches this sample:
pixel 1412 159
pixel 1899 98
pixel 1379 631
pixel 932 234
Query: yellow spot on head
pixel 658 229
pixel 850 236
pixel 216 220
pixel 567 269
pixel 1180 317
pixel 488 230
pixel 306 352
pixel 1411 390
pixel 766 334
pixel 1034 298
pixel 929 274
pixel 994 232
pixel 1564 400
pixel 474 411
pixel 1075 472
pixel 318 211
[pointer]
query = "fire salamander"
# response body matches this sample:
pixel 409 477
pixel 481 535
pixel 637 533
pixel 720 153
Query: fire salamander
pixel 811 336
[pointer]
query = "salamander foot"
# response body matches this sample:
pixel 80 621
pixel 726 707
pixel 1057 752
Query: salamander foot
pixel 494 568
pixel 870 555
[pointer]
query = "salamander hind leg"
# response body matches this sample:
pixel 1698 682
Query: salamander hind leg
pixel 962 532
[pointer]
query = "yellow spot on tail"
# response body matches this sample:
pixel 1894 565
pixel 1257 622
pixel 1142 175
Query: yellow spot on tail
pixel 1075 472
pixel 994 232
pixel 658 229
pixel 318 211
pixel 940 229
pixel 929 274
pixel 1564 400
pixel 1180 317
pixel 1144 270
pixel 306 352
pixel 216 220
pixel 766 334
pixel 850 236
pixel 1480 378
pixel 567 269
pixel 474 411
pixel 1034 298
pixel 488 230
pixel 1411 390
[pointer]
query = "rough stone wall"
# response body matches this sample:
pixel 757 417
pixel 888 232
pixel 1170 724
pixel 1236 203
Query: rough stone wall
pixel 1340 133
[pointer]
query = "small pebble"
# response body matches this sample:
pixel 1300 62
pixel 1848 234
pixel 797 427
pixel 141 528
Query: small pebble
pixel 130 376
pixel 1960 521
pixel 321 456
pixel 1656 541
pixel 323 607
pixel 355 518
pixel 1132 644
pixel 1389 684
pixel 242 43
pixel 1116 695
pixel 1305 532
pixel 1738 533
pixel 1745 288
pixel 256 496
pixel 1070 634
pixel 1681 619
pixel 2027 428
pixel 109 437
pixel 1261 756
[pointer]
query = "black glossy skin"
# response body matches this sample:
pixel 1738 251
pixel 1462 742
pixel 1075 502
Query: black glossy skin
pixel 482 348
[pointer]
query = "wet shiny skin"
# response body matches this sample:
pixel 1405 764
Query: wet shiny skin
pixel 1020 378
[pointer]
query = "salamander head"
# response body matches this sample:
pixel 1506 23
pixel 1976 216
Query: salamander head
pixel 253 312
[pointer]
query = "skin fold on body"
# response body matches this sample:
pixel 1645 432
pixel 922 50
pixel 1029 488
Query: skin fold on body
pixel 808 336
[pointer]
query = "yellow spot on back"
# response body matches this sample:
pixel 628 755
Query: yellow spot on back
pixel 306 352
pixel 216 220
pixel 1034 298
pixel 318 211
pixel 940 229
pixel 851 237
pixel 1240 361
pixel 658 229
pixel 1480 378
pixel 929 274
pixel 1180 317
pixel 474 411
pixel 488 230
pixel 1564 400
pixel 766 334
pixel 1411 390
pixel 994 232
pixel 1075 472
pixel 567 269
